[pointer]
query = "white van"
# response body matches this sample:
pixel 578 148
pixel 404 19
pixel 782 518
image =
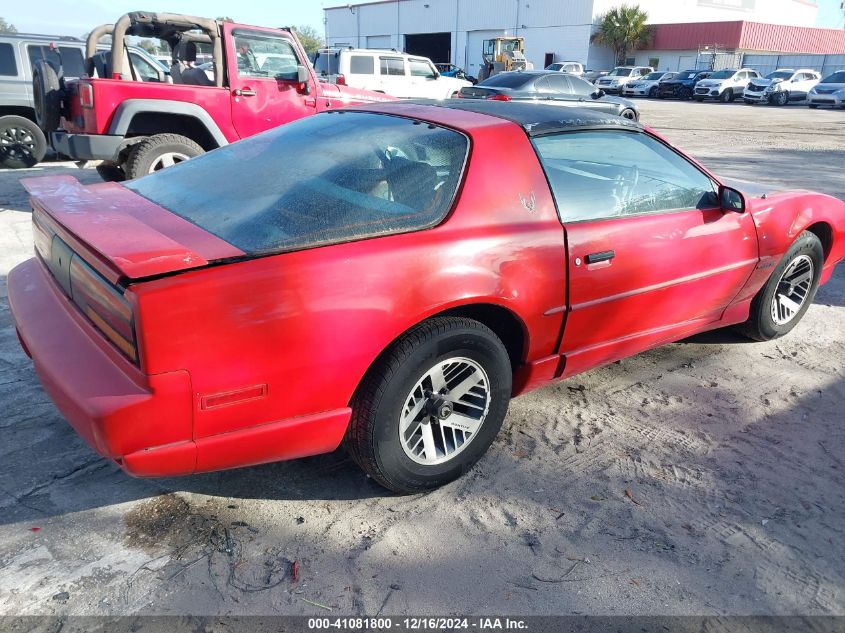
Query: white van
pixel 388 71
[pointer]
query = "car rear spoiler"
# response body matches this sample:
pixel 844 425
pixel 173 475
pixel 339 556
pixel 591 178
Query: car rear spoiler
pixel 121 234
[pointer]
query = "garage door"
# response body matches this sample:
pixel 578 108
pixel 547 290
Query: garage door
pixel 378 41
pixel 686 63
pixel 473 52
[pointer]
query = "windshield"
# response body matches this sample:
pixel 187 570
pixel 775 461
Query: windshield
pixel 780 74
pixel 554 66
pixel 325 63
pixel 620 72
pixel 653 76
pixel 835 78
pixel 328 178
pixel 722 74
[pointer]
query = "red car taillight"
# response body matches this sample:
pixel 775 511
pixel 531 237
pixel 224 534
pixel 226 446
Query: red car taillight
pixel 104 306
pixel 499 98
pixel 341 80
pixel 86 95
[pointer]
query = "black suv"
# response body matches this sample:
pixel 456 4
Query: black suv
pixel 682 85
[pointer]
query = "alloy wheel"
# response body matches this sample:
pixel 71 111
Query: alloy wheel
pixel 444 411
pixel 792 290
pixel 16 142
pixel 167 160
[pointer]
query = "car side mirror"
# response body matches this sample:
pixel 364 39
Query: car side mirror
pixel 731 200
pixel 598 94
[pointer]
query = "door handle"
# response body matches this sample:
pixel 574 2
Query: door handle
pixel 244 92
pixel 603 256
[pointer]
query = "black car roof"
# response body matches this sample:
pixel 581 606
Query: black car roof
pixel 539 118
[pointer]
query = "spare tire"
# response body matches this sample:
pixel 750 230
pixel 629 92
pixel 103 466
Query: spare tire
pixel 47 96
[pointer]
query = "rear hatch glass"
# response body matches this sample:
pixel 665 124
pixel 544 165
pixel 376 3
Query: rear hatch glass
pixel 328 178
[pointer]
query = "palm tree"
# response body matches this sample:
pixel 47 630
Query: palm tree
pixel 622 29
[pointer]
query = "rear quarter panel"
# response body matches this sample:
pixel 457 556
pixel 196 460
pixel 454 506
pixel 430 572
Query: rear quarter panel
pixel 309 324
pixel 110 93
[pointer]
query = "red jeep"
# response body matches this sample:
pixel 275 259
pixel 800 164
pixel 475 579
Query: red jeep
pixel 138 121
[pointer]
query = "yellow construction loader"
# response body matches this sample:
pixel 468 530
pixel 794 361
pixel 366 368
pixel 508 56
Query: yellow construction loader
pixel 502 54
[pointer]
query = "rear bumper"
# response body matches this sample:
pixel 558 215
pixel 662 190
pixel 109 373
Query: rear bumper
pixel 143 423
pixel 86 146
pixel 114 407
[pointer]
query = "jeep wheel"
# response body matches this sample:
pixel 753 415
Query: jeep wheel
pixel 22 143
pixel 159 152
pixel 46 96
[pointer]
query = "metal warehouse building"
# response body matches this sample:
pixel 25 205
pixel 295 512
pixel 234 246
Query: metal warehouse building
pixel 688 33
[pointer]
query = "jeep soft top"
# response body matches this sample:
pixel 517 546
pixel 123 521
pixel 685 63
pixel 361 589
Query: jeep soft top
pixel 257 78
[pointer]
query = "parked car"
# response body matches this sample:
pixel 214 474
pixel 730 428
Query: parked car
pixel 781 86
pixel 682 85
pixel 394 73
pixel 22 142
pixel 830 91
pixel 573 68
pixel 647 86
pixel 138 127
pixel 724 85
pixel 549 85
pixel 616 79
pixel 450 70
pixel 354 277
pixel 592 75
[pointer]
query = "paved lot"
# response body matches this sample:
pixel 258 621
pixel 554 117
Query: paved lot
pixel 733 453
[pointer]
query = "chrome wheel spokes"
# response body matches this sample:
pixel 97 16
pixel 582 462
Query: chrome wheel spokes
pixel 444 411
pixel 792 290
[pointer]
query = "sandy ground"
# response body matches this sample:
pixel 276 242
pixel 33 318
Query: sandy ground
pixel 704 477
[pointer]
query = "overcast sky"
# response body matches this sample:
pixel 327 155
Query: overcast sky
pixel 75 17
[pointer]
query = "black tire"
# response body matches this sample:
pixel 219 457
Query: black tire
pixel 652 93
pixel 46 96
pixel 780 98
pixel 372 438
pixel 630 113
pixel 22 143
pixel 727 96
pixel 685 93
pixel 145 157
pixel 110 172
pixel 761 326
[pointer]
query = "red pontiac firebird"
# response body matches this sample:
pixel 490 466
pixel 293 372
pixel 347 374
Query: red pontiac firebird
pixel 389 276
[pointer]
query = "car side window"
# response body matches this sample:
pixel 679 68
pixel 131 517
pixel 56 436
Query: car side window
pixel 557 84
pixel 362 65
pixel 394 66
pixel 260 55
pixel 146 71
pixel 421 68
pixel 8 67
pixel 581 87
pixel 613 173
pixel 66 57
